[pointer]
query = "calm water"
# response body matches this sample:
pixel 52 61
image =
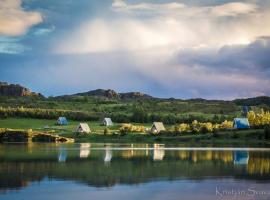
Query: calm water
pixel 132 171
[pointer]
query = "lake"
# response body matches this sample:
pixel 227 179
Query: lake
pixel 132 171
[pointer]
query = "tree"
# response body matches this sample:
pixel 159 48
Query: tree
pixel 139 115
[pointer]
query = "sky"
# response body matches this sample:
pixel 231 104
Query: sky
pixel 212 49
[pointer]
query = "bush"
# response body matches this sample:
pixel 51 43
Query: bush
pixel 107 131
pixel 128 128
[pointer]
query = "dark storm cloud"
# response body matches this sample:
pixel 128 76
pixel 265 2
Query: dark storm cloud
pixel 252 58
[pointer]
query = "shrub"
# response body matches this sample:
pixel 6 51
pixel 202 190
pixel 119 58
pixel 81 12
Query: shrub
pixel 107 131
pixel 259 119
pixel 127 128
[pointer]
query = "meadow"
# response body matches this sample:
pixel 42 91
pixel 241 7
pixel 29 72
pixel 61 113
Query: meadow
pixel 251 137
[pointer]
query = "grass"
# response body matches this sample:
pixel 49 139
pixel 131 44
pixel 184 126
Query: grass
pixel 237 137
pixel 39 124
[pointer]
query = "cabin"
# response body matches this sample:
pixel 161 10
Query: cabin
pixel 107 122
pixel 241 123
pixel 62 121
pixel 83 128
pixel 157 127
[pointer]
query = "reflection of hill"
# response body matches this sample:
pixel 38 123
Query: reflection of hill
pixel 129 167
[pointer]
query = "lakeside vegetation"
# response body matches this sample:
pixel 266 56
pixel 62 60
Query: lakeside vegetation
pixel 169 111
pixel 250 137
pixel 185 120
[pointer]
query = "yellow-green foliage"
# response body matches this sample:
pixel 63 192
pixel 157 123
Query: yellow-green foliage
pixel 131 128
pixel 198 127
pixel 107 131
pixel 259 119
pixel 226 125
pixel 183 127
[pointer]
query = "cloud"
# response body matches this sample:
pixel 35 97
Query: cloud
pixel 175 8
pixel 121 5
pixel 164 49
pixel 181 50
pixel 172 25
pixel 233 9
pixel 14 20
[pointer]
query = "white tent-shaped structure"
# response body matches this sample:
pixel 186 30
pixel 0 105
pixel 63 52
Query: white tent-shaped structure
pixel 157 127
pixel 83 128
pixel 107 122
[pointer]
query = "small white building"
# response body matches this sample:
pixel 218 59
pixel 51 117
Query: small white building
pixel 83 128
pixel 107 122
pixel 157 127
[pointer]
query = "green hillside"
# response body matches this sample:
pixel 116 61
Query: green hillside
pixel 132 109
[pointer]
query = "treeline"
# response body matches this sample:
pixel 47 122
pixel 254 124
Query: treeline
pixel 140 116
pixel 137 116
pixel 48 114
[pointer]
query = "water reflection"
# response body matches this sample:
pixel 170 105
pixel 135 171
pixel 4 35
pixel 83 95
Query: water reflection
pixel 62 157
pixel 241 157
pixel 127 164
pixel 159 152
pixel 84 150
pixel 108 155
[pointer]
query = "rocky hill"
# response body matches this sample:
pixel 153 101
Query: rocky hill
pixel 15 90
pixel 113 94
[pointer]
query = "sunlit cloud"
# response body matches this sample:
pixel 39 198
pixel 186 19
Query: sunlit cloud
pixel 172 24
pixel 14 20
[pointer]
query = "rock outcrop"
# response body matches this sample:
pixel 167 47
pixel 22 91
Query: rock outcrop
pixel 15 90
pixel 113 94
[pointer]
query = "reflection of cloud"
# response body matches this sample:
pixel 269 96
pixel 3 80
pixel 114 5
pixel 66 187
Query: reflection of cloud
pixel 14 20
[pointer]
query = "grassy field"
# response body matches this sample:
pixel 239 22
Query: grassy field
pixel 225 138
pixel 159 106
pixel 40 124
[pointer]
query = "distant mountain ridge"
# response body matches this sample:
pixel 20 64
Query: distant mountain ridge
pixel 15 90
pixel 253 101
pixel 113 94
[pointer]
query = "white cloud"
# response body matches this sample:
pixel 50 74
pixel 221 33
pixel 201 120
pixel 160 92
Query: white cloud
pixel 234 9
pixel 120 5
pixel 171 25
pixel 14 20
pixel 175 8
pixel 149 37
